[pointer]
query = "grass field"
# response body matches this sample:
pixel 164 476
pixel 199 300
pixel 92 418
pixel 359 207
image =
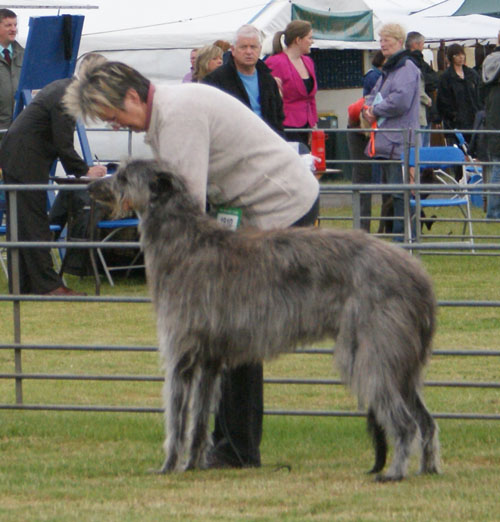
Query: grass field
pixel 94 466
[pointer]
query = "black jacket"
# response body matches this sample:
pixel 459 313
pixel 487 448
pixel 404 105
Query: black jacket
pixel 492 117
pixel 42 133
pixel 431 80
pixel 458 99
pixel 226 78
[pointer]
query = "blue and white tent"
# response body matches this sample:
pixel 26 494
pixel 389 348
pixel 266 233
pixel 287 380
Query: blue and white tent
pixel 156 36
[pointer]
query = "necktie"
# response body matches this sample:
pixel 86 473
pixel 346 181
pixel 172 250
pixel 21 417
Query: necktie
pixel 6 53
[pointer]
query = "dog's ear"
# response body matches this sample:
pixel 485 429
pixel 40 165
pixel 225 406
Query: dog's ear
pixel 161 184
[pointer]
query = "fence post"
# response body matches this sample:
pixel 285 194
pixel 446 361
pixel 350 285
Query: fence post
pixel 15 288
pixel 356 208
pixel 406 193
pixel 418 208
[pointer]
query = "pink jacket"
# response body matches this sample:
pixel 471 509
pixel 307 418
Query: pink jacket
pixel 298 105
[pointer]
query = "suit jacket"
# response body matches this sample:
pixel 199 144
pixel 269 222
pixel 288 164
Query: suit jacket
pixel 9 80
pixel 299 105
pixel 227 79
pixel 42 133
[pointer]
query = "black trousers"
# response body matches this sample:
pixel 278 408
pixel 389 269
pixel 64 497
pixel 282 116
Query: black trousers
pixel 238 423
pixel 36 270
pixel 361 174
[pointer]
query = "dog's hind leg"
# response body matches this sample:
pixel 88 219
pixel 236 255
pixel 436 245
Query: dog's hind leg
pixel 177 391
pixel 430 440
pixel 201 402
pixel 379 440
pixel 398 420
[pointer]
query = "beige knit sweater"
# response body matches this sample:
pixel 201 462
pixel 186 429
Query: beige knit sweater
pixel 225 152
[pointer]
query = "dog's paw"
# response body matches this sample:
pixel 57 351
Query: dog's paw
pixel 430 470
pixel 388 478
pixel 167 467
pixel 156 471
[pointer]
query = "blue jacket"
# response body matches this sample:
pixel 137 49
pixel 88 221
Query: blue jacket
pixel 399 87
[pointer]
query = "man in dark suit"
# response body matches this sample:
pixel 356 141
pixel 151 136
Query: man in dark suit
pixel 11 59
pixel 247 78
pixel 42 133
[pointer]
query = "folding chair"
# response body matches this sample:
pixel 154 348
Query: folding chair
pixel 439 158
pixel 474 171
pixel 111 227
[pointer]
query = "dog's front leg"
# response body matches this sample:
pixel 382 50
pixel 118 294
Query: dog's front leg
pixel 176 391
pixel 202 400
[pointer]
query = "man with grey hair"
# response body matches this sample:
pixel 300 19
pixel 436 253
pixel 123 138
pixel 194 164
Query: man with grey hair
pixel 246 77
pixel 415 45
pixel 225 154
pixel 11 59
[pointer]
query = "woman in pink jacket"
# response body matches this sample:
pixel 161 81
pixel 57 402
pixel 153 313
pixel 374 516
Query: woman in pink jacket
pixel 296 77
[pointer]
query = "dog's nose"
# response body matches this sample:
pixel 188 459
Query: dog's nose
pixel 95 187
pixel 91 187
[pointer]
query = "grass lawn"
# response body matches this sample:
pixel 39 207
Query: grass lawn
pixel 94 466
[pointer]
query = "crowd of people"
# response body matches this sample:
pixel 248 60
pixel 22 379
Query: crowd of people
pixel 231 102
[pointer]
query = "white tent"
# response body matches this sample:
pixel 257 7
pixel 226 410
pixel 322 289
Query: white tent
pixel 155 36
pixel 168 30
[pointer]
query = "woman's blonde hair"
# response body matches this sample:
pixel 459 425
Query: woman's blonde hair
pixel 102 84
pixel 396 31
pixel 205 54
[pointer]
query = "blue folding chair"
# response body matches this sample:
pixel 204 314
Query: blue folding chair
pixel 111 228
pixel 440 158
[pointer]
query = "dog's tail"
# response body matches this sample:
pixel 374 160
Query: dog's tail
pixel 384 347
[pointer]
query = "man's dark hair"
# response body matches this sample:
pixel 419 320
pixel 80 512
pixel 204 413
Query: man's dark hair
pixel 378 59
pixel 7 13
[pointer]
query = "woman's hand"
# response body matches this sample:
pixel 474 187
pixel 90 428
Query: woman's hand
pixel 368 114
pixel 97 171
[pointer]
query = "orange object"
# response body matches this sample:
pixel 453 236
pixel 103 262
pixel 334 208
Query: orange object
pixel 371 150
pixel 318 149
pixel 354 111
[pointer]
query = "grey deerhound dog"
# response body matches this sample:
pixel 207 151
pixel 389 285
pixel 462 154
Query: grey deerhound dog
pixel 225 298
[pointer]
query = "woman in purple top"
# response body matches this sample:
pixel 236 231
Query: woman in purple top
pixel 394 104
pixel 296 77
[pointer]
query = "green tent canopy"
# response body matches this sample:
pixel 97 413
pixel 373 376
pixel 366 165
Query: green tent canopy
pixel 348 27
pixel 484 7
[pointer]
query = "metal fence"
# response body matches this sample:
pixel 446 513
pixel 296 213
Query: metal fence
pixel 19 377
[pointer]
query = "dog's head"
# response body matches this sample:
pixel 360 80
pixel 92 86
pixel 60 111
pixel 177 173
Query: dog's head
pixel 136 185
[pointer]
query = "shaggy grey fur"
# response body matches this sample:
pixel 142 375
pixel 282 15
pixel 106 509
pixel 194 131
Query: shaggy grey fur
pixel 224 298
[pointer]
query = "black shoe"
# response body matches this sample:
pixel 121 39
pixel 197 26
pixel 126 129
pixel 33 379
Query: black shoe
pixel 429 222
pixel 216 461
pixel 64 291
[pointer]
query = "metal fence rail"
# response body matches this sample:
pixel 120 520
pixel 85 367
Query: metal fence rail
pixel 18 376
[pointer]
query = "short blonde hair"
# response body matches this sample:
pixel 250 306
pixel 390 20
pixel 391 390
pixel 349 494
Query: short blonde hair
pixel 396 31
pixel 205 54
pixel 102 84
